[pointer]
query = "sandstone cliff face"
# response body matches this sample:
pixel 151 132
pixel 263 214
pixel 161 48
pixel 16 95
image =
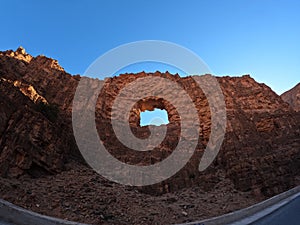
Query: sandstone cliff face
pixel 262 138
pixel 293 97
pixel 35 136
pixel 261 151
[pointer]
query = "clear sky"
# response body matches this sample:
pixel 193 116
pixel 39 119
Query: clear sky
pixel 155 117
pixel 234 37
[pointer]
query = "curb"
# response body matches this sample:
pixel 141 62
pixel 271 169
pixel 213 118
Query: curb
pixel 12 214
pixel 248 215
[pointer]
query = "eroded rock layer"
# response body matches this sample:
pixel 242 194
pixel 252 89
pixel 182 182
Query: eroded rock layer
pixel 261 150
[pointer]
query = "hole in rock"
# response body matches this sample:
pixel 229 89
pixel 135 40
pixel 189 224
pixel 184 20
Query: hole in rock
pixel 156 117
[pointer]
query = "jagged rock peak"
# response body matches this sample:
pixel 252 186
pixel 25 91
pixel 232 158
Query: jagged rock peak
pixel 21 50
pixel 40 60
pixel 20 54
pixel 46 62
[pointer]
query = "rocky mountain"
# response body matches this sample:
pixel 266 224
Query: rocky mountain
pixel 260 153
pixel 35 133
pixel 293 97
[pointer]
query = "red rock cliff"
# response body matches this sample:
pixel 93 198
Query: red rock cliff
pixel 261 150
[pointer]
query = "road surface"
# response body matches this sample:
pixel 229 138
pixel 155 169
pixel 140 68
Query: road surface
pixel 4 223
pixel 286 215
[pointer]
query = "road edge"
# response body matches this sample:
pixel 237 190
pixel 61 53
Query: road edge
pixel 237 217
pixel 16 215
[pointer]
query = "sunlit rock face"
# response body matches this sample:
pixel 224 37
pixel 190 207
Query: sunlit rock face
pixel 261 127
pixel 293 97
pixel 260 153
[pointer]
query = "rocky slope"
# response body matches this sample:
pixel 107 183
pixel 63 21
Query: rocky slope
pixel 293 97
pixel 260 153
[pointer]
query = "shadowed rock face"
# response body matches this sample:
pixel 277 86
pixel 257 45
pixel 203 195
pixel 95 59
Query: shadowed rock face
pixel 261 150
pixel 293 97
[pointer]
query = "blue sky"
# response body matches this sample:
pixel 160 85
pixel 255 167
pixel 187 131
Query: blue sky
pixel 234 37
pixel 155 117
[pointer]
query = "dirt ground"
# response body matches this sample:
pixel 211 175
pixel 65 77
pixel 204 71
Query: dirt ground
pixel 79 194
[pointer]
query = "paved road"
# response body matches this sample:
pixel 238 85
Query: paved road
pixel 286 215
pixel 4 223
